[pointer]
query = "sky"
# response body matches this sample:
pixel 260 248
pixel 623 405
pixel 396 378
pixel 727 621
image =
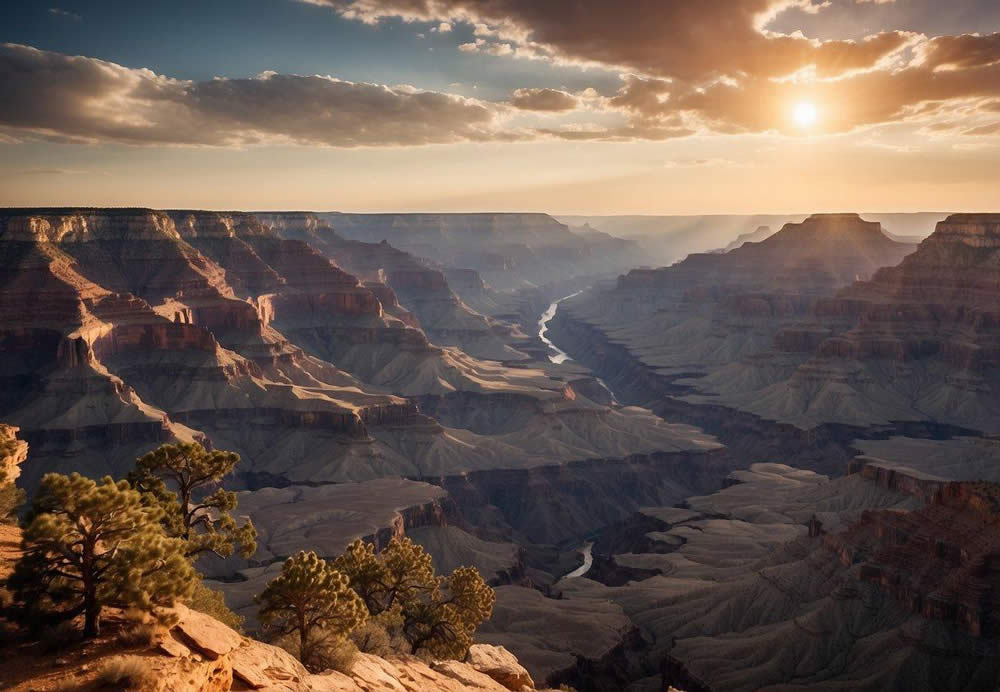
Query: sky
pixel 561 106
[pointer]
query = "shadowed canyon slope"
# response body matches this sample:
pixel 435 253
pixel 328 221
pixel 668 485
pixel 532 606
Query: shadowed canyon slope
pixel 764 328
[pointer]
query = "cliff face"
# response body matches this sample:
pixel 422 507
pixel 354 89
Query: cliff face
pixel 421 289
pixel 822 253
pixel 13 452
pixel 772 336
pixel 508 250
pixel 941 561
pixel 940 303
pixel 731 586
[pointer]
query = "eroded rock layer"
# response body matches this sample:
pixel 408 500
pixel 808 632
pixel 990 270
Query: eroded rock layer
pixel 768 333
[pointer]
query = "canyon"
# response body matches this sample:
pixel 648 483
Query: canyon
pixel 767 466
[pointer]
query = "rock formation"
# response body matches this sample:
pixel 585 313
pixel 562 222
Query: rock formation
pixel 200 654
pixel 742 598
pixel 508 250
pixel 422 289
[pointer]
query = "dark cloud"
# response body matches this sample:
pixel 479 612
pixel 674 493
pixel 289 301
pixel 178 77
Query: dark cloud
pixel 85 99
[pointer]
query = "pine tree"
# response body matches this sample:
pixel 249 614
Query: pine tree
pixel 88 545
pixel 192 513
pixel 436 615
pixel 313 601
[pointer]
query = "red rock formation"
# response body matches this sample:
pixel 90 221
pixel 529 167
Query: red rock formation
pixel 13 452
pixel 942 561
pixel 940 302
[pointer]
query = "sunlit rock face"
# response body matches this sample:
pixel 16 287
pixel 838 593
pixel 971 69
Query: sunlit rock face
pixel 136 336
pixel 823 253
pixel 421 289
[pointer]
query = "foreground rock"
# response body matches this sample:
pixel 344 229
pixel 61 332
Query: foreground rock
pixel 200 654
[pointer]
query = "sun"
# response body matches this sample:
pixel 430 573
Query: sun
pixel 805 114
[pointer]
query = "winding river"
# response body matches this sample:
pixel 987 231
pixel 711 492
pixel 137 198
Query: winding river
pixel 588 560
pixel 559 356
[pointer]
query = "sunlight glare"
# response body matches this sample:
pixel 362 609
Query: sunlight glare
pixel 805 114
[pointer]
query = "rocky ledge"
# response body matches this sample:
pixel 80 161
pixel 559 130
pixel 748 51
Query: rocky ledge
pixel 200 654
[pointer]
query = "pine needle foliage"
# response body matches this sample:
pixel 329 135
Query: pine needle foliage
pixel 87 545
pixel 312 601
pixel 437 615
pixel 198 510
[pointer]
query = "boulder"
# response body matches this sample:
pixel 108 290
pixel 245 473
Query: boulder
pixel 499 664
pixel 205 634
pixel 262 666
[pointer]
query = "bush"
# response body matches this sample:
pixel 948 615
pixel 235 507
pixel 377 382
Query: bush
pixel 438 615
pixel 373 638
pixel 141 634
pixel 324 651
pixel 125 673
pixel 211 602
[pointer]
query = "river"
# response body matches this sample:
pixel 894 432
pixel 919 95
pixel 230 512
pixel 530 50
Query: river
pixel 588 560
pixel 559 356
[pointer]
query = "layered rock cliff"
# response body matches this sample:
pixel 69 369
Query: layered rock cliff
pixel 422 289
pixel 508 250
pixel 762 329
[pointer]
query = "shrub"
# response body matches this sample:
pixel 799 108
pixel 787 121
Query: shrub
pixel 11 498
pixel 373 638
pixel 125 673
pixel 207 600
pixel 324 651
pixel 438 615
pixel 140 634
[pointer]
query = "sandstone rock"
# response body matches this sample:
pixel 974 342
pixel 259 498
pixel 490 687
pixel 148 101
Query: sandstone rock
pixel 205 634
pixel 469 677
pixel 262 666
pixel 499 664
pixel 172 647
pixel 410 674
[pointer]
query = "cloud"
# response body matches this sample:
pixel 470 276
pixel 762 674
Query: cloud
pixel 717 65
pixel 84 99
pixel 65 14
pixel 551 100
pixel 694 41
